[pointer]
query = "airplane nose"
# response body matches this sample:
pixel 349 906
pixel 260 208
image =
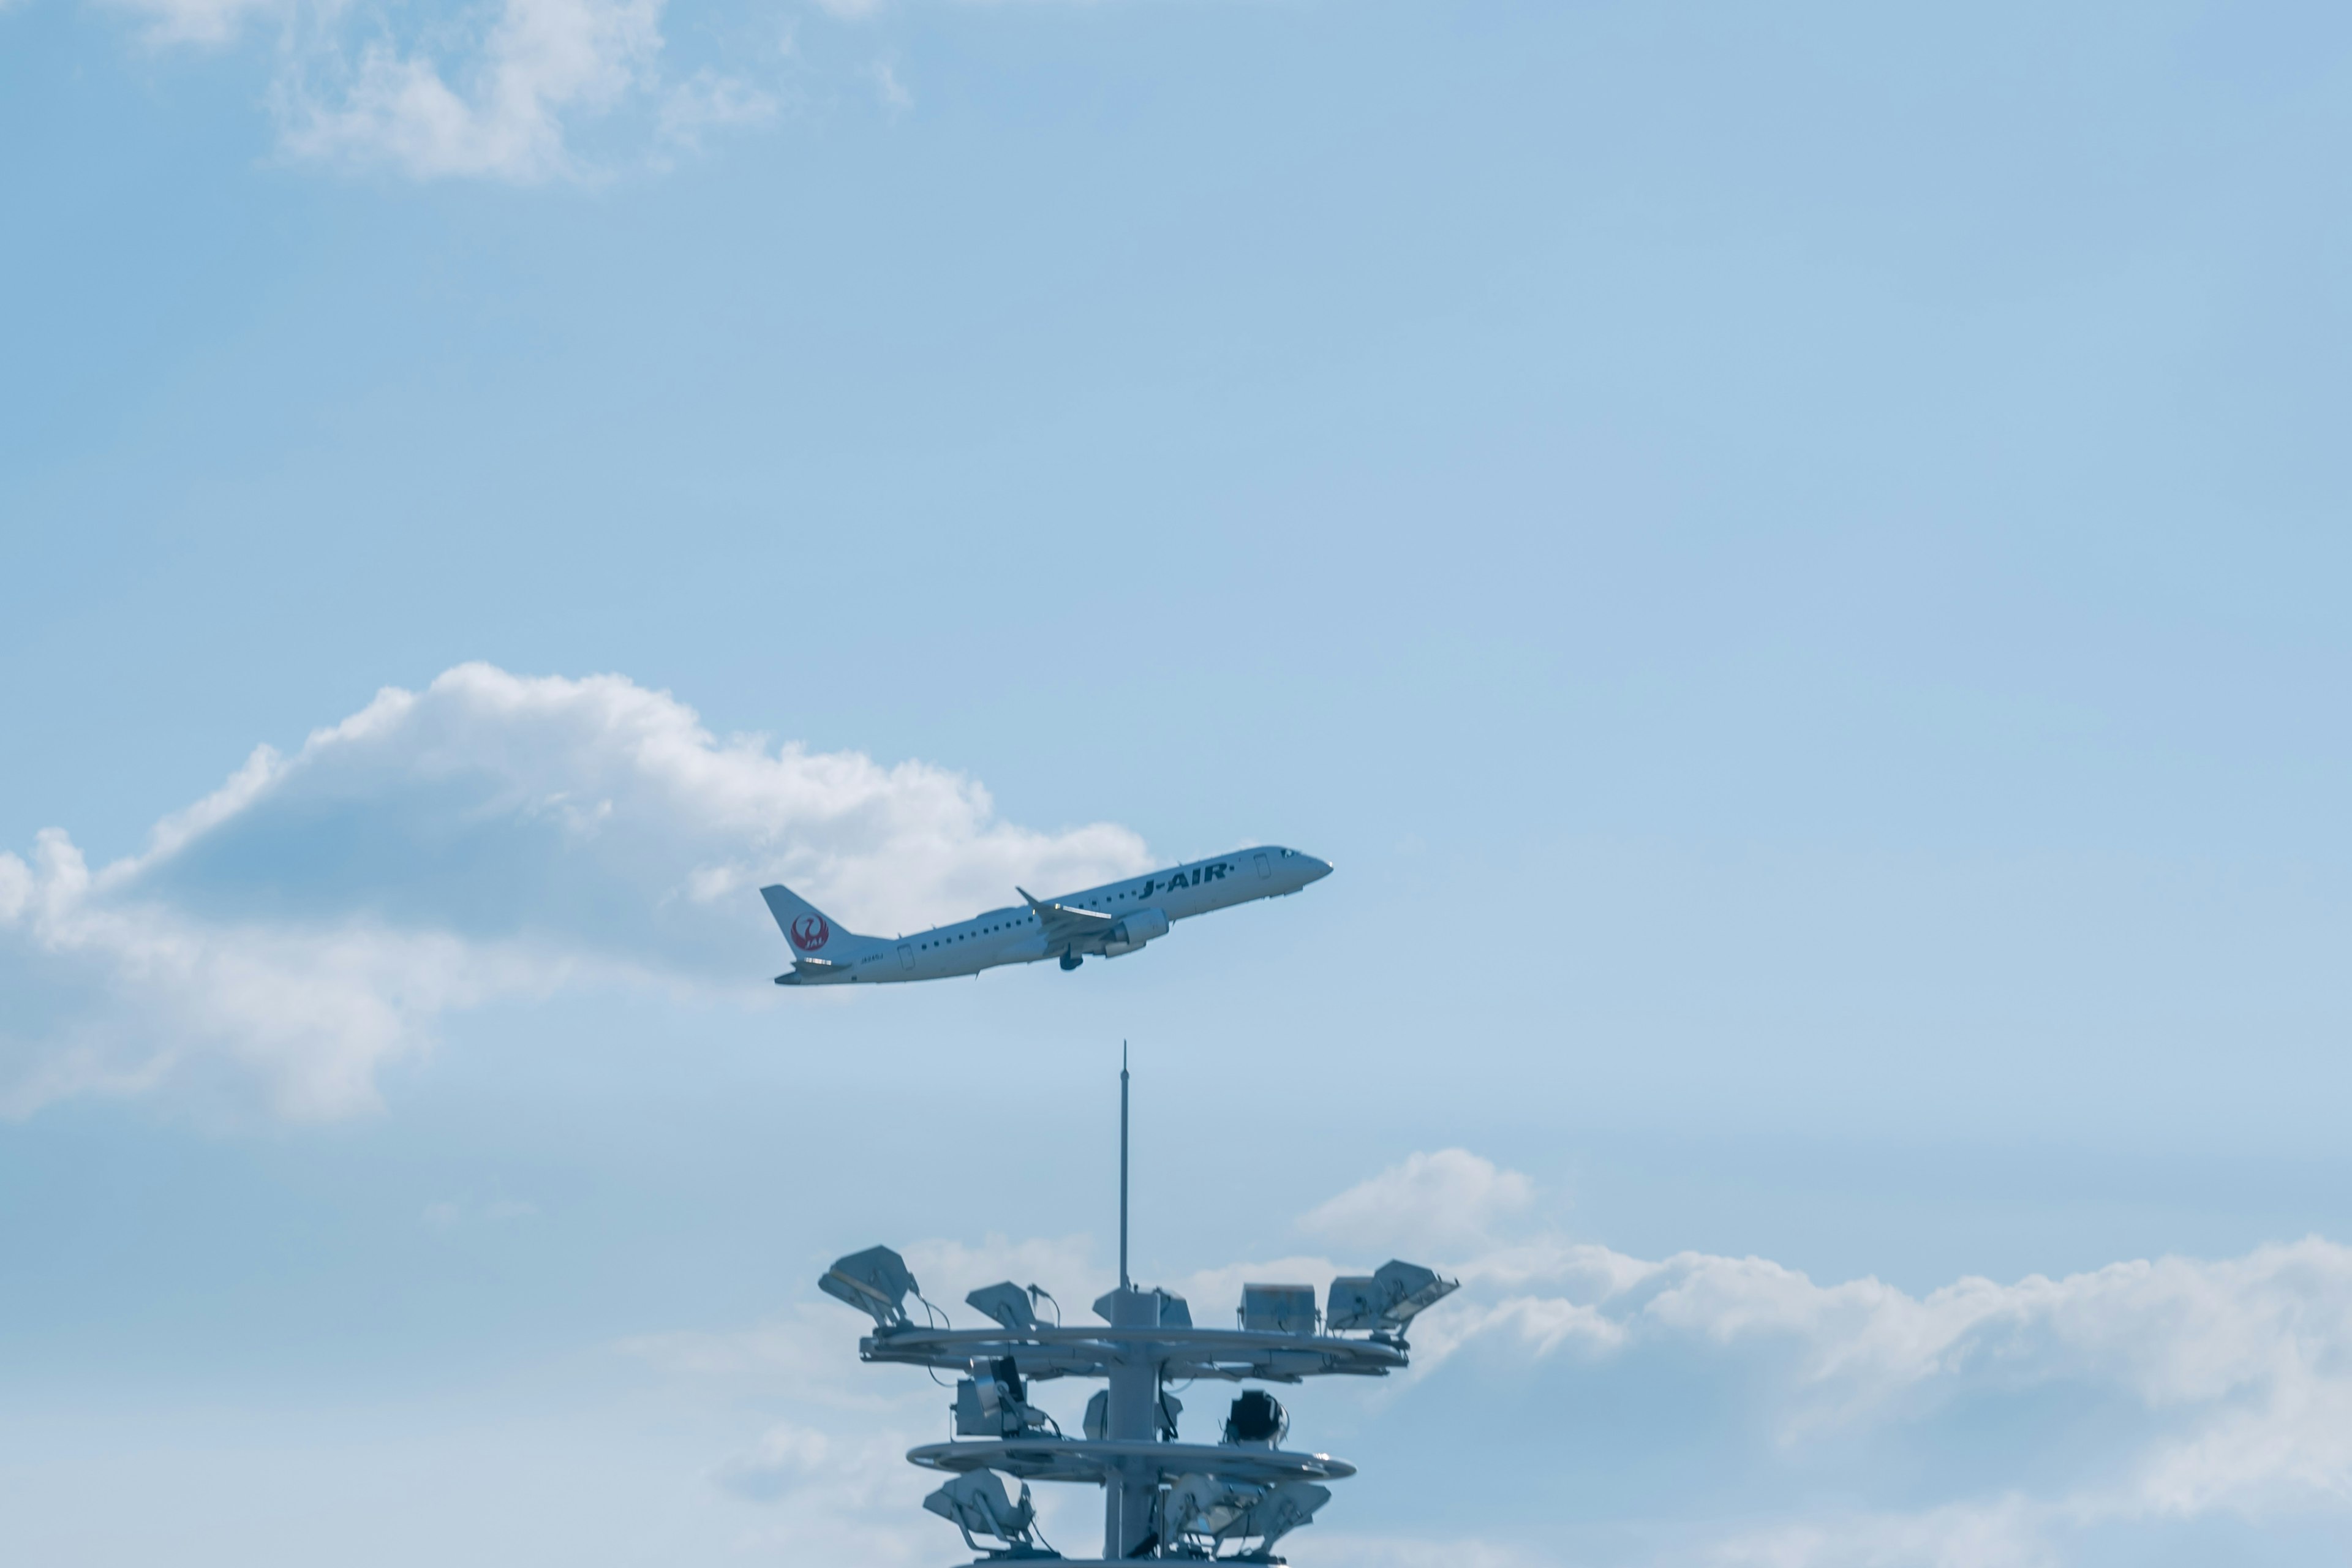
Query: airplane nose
pixel 1318 869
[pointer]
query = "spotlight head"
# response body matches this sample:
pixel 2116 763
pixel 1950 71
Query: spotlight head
pixel 1410 1289
pixel 1173 1310
pixel 978 1504
pixel 1354 1304
pixel 875 1282
pixel 1282 1510
pixel 994 1402
pixel 1207 1506
pixel 978 1413
pixel 1387 1300
pixel 1204 1513
pixel 1257 1416
pixel 1007 1303
pixel 1278 1309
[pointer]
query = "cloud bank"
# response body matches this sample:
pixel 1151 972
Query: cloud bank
pixel 1441 1203
pixel 492 835
pixel 2126 1413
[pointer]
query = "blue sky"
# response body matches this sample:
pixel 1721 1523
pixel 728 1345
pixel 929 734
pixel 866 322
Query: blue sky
pixel 1794 559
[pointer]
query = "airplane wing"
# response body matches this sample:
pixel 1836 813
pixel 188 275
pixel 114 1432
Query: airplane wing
pixel 1062 923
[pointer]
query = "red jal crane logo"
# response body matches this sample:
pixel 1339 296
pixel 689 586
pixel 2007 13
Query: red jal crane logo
pixel 810 932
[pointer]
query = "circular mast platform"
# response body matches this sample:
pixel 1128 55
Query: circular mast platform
pixel 1162 1498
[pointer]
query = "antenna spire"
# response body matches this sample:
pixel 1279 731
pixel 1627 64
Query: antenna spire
pixel 1122 1167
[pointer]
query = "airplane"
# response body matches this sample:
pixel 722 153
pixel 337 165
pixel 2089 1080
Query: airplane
pixel 1107 922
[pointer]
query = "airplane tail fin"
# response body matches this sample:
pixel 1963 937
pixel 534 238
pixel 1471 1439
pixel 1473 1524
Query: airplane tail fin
pixel 806 927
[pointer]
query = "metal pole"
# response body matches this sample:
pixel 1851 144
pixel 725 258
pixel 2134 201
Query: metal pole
pixel 1130 1415
pixel 1122 1166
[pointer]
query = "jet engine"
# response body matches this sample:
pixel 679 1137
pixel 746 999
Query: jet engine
pixel 1142 926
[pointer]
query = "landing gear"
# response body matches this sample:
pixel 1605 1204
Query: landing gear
pixel 1071 960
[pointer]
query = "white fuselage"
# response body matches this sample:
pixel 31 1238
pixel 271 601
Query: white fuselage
pixel 1138 908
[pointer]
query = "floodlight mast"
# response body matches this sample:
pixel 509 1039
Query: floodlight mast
pixel 1162 1497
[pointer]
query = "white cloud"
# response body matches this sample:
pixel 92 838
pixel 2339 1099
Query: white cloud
pixel 2009 1532
pixel 115 992
pixel 835 1495
pixel 824 1474
pixel 504 93
pixel 2200 1386
pixel 2248 1352
pixel 487 93
pixel 787 1458
pixel 1444 1205
pixel 542 60
pixel 492 835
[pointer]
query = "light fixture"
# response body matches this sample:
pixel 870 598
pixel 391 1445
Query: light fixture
pixel 1283 1508
pixel 1202 1512
pixel 1205 1506
pixel 994 1403
pixel 1174 1312
pixel 1007 1303
pixel 876 1281
pixel 977 1503
pixel 1387 1300
pixel 1278 1309
pixel 1258 1418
